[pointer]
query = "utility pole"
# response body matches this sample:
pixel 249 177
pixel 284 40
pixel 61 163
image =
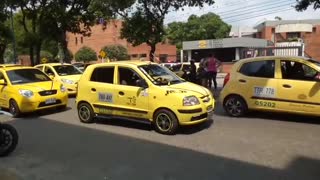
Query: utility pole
pixel 14 39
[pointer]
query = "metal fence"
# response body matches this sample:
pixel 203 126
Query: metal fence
pixel 272 51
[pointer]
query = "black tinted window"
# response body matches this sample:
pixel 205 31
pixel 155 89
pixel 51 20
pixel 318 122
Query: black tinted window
pixel 104 75
pixel 263 69
pixel 128 77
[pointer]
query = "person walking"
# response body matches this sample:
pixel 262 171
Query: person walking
pixel 193 72
pixel 212 69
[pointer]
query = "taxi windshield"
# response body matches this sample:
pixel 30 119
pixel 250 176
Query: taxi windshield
pixel 160 75
pixel 65 70
pixel 22 76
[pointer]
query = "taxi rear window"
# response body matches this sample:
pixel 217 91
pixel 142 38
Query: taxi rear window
pixel 264 69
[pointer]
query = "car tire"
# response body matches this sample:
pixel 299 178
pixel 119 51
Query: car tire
pixel 14 108
pixel 235 106
pixel 85 113
pixel 165 122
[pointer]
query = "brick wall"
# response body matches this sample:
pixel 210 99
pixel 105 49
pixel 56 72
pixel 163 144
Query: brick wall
pixel 311 39
pixel 110 36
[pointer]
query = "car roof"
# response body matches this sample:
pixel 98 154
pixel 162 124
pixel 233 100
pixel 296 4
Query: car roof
pixel 272 57
pixel 53 64
pixel 126 62
pixel 16 67
pixel 10 65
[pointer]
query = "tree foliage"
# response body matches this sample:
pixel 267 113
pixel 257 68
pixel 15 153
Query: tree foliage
pixel 304 4
pixel 5 31
pixel 207 26
pixel 85 54
pixel 146 24
pixel 116 52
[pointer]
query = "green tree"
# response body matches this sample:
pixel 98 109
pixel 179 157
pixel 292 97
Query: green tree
pixel 207 26
pixel 85 54
pixel 304 4
pixel 5 31
pixel 146 24
pixel 116 52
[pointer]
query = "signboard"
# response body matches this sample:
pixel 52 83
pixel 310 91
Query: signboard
pixel 44 60
pixel 203 44
pixel 102 54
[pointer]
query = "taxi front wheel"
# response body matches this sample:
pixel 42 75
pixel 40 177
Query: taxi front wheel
pixel 14 108
pixel 165 122
pixel 235 106
pixel 85 113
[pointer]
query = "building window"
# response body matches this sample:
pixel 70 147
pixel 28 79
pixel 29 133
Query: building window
pixel 134 55
pixel 76 39
pixel 293 35
pixel 81 40
pixel 314 29
pixel 163 57
pixel 143 55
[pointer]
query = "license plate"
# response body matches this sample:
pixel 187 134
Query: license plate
pixel 50 101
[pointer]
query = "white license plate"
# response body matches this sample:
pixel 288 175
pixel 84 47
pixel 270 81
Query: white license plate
pixel 51 101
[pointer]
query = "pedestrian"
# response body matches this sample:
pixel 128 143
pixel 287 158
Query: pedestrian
pixel 202 73
pixel 212 69
pixel 193 71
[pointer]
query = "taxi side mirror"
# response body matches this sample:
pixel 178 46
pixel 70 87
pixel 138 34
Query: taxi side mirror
pixel 3 82
pixel 142 83
pixel 317 77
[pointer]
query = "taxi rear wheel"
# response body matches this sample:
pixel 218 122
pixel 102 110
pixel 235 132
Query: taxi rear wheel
pixel 85 113
pixel 165 122
pixel 14 108
pixel 235 106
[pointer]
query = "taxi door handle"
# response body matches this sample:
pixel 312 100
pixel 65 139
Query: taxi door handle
pixel 93 89
pixel 242 80
pixel 121 93
pixel 286 86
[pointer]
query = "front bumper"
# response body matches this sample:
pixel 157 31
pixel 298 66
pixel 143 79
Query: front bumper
pixel 41 102
pixel 196 115
pixel 71 88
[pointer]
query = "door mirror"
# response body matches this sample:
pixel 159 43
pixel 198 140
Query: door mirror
pixel 142 83
pixel 3 82
pixel 317 77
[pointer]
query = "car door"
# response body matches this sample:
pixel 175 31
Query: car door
pixel 3 93
pixel 100 90
pixel 256 82
pixel 132 100
pixel 298 89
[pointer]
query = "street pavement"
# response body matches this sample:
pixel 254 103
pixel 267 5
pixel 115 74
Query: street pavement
pixel 56 146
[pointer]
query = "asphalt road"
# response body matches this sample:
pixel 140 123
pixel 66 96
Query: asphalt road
pixel 56 146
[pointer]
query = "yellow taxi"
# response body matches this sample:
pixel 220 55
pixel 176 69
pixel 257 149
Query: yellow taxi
pixel 180 68
pixel 142 91
pixel 68 74
pixel 27 89
pixel 277 84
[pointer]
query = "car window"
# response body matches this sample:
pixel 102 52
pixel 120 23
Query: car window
pixel 263 69
pixel 103 74
pixel 176 67
pixel 40 67
pixel 297 71
pixel 128 77
pixel 48 71
pixel 65 70
pixel 21 76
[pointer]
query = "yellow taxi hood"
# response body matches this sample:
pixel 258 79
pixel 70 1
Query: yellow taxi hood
pixel 38 86
pixel 188 88
pixel 74 78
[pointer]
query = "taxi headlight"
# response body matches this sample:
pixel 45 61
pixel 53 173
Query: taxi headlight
pixel 63 88
pixel 190 101
pixel 67 81
pixel 26 93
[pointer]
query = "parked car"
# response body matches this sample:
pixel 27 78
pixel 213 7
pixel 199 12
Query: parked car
pixel 142 91
pixel 68 74
pixel 27 89
pixel 275 83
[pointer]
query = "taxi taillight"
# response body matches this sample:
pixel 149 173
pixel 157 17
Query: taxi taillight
pixel 226 79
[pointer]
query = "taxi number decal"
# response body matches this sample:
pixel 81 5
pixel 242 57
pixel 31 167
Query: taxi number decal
pixel 106 97
pixel 264 92
pixel 265 104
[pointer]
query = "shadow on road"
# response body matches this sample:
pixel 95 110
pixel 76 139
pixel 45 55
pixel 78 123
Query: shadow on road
pixel 52 150
pixel 149 127
pixel 45 112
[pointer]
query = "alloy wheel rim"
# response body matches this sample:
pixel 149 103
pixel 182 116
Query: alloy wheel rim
pixel 12 108
pixel 164 122
pixel 234 107
pixel 84 113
